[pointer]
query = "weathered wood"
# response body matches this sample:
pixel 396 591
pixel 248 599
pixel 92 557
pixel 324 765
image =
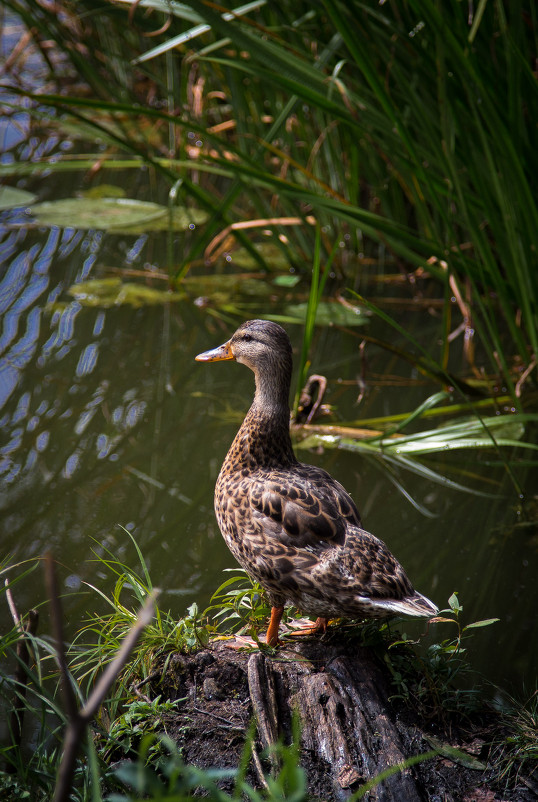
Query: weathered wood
pixel 261 686
pixel 347 714
pixel 351 731
pixel 345 724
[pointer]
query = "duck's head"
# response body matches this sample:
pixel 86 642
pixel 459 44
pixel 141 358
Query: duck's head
pixel 261 345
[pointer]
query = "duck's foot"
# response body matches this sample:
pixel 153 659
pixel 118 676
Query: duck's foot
pixel 305 627
pixel 293 628
pixel 270 639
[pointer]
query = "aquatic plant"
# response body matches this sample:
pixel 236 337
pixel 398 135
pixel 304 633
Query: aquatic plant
pixel 402 129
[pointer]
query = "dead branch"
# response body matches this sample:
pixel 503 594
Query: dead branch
pixel 77 721
pixel 21 674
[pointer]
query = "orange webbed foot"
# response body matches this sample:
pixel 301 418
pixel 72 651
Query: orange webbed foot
pixel 316 628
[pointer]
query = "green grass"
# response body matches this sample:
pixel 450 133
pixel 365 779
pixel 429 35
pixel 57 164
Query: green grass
pixel 518 750
pixel 101 635
pixel 127 752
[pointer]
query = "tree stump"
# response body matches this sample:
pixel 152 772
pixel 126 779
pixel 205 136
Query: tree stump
pixel 350 730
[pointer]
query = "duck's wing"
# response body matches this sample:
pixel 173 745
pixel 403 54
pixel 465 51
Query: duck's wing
pixel 305 508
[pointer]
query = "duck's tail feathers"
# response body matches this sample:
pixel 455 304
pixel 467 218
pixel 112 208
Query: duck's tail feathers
pixel 416 605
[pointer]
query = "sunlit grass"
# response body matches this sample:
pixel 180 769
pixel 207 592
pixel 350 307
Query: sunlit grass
pixel 99 638
pixel 131 723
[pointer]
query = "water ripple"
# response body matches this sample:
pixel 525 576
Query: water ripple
pixel 71 238
pixel 11 245
pixel 22 408
pixel 13 282
pixel 22 351
pixel 87 360
pixel 63 335
pixel 19 356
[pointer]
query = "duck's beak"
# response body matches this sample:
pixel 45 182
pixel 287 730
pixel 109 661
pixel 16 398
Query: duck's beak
pixel 217 354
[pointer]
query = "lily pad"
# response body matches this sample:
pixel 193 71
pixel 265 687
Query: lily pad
pixel 287 280
pixel 226 286
pixel 103 191
pixel 11 197
pixel 331 314
pixel 102 213
pixel 182 219
pixel 108 292
pixel 120 215
pixel 271 253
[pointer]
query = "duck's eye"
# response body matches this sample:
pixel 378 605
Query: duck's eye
pixel 247 338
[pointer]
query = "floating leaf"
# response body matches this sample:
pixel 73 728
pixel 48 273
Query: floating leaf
pixel 274 256
pixel 182 220
pixel 104 191
pixel 102 213
pixel 225 286
pixel 121 215
pixel 286 280
pixel 331 314
pixel 11 197
pixel 107 292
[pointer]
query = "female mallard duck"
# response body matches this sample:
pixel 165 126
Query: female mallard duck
pixel 293 527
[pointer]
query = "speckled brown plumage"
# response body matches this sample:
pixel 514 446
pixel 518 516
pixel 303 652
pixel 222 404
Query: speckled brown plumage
pixel 292 526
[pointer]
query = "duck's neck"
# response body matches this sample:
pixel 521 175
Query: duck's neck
pixel 263 441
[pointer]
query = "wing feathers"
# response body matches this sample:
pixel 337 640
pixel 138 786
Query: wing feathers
pixel 313 511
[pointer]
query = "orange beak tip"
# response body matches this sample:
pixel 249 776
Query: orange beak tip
pixel 219 354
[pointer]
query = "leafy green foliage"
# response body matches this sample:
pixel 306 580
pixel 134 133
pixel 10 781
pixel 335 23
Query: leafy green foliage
pixel 435 682
pixel 30 773
pixel 401 129
pixel 139 718
pixel 518 750
pixel 441 681
pixel 239 605
pixel 177 780
pixel 484 439
pixel 165 635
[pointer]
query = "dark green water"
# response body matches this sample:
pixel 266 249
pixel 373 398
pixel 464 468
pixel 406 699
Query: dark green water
pixel 107 420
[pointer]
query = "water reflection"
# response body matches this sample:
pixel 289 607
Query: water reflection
pixel 79 392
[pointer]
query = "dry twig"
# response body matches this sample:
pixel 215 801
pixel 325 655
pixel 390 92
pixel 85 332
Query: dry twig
pixel 23 654
pixel 78 720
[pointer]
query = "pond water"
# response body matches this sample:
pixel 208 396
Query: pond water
pixel 108 422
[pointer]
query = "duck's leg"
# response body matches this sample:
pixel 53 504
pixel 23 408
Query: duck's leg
pixel 318 627
pixel 271 637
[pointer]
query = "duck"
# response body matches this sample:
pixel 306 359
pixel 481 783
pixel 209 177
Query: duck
pixel 292 527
